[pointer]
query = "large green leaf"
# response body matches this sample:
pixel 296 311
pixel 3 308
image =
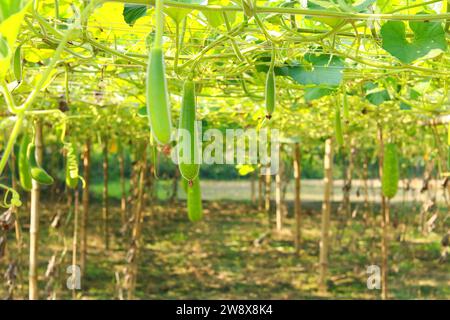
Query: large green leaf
pixel 325 70
pixel 322 69
pixel 427 36
pixel 317 93
pixel 10 7
pixel 376 95
pixel 11 17
pixel 4 47
pixel 215 18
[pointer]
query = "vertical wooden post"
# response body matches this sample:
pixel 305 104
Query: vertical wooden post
pixel 260 190
pixel 174 196
pixel 326 211
pixel 365 176
pixel 17 227
pixel 123 198
pixel 137 228
pixel 279 205
pixel 252 188
pixel 384 224
pixel 85 203
pixel 267 195
pixel 105 209
pixel 348 182
pixel 297 199
pixel 34 220
pixel 75 240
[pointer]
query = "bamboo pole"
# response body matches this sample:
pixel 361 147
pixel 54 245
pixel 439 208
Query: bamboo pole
pixel 123 191
pixel 85 204
pixel 33 289
pixel 75 242
pixel 297 198
pixel 14 184
pixel 253 188
pixel 326 211
pixel 260 190
pixel 365 178
pixel 105 208
pixel 267 194
pixel 17 226
pixel 384 224
pixel 174 196
pixel 137 229
pixel 279 209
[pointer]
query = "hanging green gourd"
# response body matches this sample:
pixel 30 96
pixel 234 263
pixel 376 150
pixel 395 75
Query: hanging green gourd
pixel 72 175
pixel 270 93
pixel 158 105
pixel 389 183
pixel 188 161
pixel 194 200
pixel 37 172
pixel 23 164
pixel 345 107
pixel 270 89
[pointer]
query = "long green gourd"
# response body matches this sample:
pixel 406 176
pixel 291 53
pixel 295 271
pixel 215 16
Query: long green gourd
pixel 188 164
pixel 158 105
pixel 270 93
pixel 389 183
pixel 23 164
pixel 194 200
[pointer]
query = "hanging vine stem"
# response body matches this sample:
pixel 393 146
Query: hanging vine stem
pixel 21 111
pixel 8 97
pixel 298 11
pixel 386 66
pixel 333 32
pixel 236 49
pixel 15 197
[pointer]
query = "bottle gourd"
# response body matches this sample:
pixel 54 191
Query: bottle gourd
pixel 389 183
pixel 188 161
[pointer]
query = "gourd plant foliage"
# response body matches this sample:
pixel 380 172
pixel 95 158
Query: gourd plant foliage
pixel 389 58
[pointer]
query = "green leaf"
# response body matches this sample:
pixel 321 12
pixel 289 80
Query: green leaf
pixel 178 14
pixel 142 112
pixel 427 36
pixel 317 93
pixel 405 106
pixel 364 5
pixel 10 7
pixel 413 95
pixel 324 5
pixel 11 17
pixel 325 70
pixel 4 47
pixel 378 97
pixel 132 12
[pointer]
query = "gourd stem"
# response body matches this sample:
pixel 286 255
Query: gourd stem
pixel 159 23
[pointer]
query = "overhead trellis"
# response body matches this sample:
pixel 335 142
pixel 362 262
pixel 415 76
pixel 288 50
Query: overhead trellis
pixel 377 49
pixel 228 42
